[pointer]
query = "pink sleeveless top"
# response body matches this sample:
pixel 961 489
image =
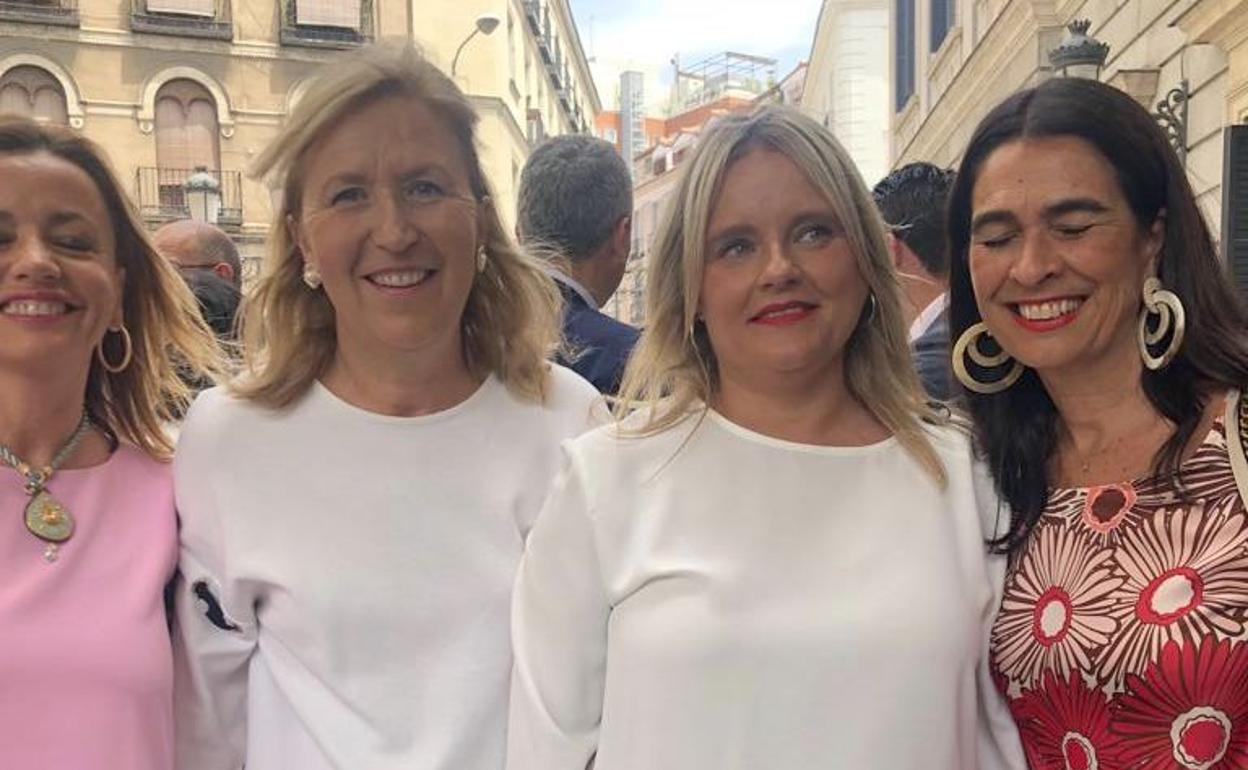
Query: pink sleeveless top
pixel 85 664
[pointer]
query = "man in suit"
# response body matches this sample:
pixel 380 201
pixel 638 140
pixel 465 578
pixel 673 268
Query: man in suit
pixel 576 199
pixel 912 200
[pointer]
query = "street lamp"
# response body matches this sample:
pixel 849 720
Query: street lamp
pixel 486 24
pixel 1079 55
pixel 203 196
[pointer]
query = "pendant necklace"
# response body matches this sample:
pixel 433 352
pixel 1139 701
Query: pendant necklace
pixel 46 518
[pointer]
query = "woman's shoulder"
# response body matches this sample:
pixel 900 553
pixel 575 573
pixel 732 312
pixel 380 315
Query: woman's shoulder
pixel 570 405
pixel 950 435
pixel 631 440
pixel 217 418
pixel 569 391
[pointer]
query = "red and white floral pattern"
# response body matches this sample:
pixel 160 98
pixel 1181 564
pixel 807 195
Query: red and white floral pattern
pixel 1122 641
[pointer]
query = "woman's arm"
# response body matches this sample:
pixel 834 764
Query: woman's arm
pixel 559 631
pixel 214 619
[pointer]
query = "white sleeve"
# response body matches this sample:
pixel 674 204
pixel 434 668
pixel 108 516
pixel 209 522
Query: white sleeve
pixel 999 745
pixel 215 625
pixel 559 632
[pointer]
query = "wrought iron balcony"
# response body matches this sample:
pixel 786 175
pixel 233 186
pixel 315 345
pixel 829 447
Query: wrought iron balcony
pixel 162 194
pixel 62 13
pixel 533 10
pixel 313 27
pixel 186 18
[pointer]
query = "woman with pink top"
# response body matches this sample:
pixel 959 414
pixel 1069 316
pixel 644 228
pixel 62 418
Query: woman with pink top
pixel 94 327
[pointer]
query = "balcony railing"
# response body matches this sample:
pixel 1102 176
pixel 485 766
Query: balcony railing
pixel 314 28
pixel 62 13
pixel 186 18
pixel 162 194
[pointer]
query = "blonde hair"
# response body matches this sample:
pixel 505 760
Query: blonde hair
pixel 169 339
pixel 511 321
pixel 673 367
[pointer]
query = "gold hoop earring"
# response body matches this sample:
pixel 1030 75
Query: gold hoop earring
pixel 482 258
pixel 1172 320
pixel 968 345
pixel 873 309
pixel 311 277
pixel 126 343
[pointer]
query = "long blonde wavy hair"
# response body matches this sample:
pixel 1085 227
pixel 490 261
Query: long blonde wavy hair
pixel 511 321
pixel 673 373
pixel 169 339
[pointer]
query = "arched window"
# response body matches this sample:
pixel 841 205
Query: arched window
pixel 186 138
pixel 31 91
pixel 186 127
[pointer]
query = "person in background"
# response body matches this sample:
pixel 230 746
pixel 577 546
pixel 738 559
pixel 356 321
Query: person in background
pixel 1102 346
pixel 354 506
pixel 92 321
pixel 912 201
pixel 193 245
pixel 776 558
pixel 576 202
pixel 218 301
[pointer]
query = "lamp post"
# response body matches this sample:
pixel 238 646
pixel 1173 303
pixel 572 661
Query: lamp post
pixel 203 196
pixel 1081 55
pixel 486 24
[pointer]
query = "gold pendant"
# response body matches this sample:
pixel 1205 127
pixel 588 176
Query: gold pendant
pixel 47 519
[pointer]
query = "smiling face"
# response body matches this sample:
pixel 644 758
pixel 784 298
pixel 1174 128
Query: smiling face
pixel 60 284
pixel 781 290
pixel 1057 258
pixel 389 220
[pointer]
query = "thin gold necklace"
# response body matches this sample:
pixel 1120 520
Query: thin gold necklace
pixel 46 518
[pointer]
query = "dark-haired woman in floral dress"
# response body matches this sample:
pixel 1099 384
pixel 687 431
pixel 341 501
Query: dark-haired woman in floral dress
pixel 1101 349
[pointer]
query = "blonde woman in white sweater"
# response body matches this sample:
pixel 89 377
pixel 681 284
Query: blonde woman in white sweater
pixel 777 559
pixel 354 508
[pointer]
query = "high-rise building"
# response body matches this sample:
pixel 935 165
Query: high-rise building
pixel 632 115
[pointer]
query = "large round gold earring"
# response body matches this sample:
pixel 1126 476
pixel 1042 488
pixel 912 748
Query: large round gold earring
pixel 968 345
pixel 1171 317
pixel 126 344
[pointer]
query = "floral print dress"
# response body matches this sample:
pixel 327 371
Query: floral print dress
pixel 1121 643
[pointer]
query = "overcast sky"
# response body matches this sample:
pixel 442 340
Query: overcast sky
pixel 646 34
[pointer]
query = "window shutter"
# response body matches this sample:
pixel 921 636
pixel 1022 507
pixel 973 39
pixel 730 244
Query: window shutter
pixel 344 14
pixel 1235 205
pixel 187 7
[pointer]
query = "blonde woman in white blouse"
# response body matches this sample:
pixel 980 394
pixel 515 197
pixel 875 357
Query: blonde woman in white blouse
pixel 777 559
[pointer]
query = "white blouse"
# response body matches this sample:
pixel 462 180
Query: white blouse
pixel 710 597
pixel 346 577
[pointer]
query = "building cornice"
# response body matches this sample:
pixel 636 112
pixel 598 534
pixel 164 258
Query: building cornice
pixel 1019 24
pixel 1221 22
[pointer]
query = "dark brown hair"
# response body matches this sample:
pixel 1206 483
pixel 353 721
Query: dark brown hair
pixel 1018 429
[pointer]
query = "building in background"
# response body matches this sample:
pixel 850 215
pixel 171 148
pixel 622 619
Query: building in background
pixel 846 85
pixel 953 60
pixel 174 87
pixel 701 92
